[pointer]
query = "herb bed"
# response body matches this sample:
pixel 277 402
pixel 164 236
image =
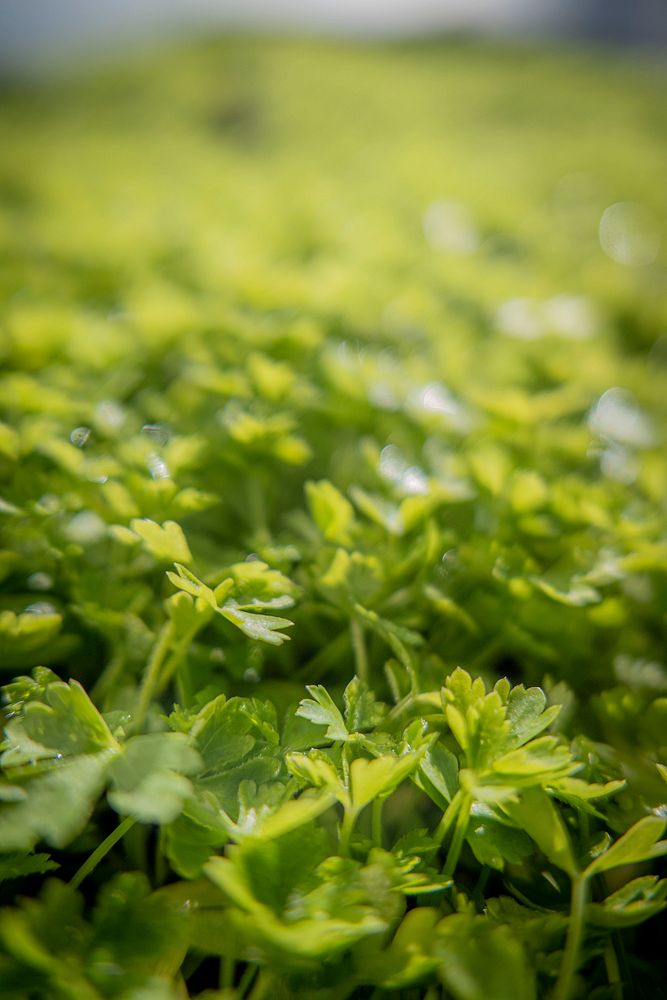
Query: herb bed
pixel 332 525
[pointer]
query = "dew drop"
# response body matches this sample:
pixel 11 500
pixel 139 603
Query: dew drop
pixel 570 316
pixel 521 319
pixel 80 436
pixel 414 481
pixel 392 463
pixel 383 397
pixel 617 463
pixel 447 225
pixel 435 398
pixel 49 503
pixel 40 608
pixel 86 527
pixel 157 467
pixel 448 563
pixel 110 414
pixel 409 479
pixel 628 234
pixel 617 416
pixel 156 433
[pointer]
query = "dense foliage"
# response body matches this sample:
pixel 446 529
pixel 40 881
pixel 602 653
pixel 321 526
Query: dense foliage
pixel 364 349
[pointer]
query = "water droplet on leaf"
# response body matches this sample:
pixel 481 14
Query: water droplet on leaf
pixel 448 226
pixel 617 416
pixel 157 433
pixel 628 234
pixel 40 608
pixel 80 436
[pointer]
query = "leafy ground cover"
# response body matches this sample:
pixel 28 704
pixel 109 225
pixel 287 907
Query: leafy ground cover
pixel 363 349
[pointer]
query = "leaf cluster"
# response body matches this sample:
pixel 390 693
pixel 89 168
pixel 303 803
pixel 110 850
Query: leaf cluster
pixel 332 526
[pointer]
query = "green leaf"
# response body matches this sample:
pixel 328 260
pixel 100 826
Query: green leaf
pixel 493 841
pixel 577 594
pixel 263 628
pixel 332 512
pixel 185 580
pixel 284 901
pixel 322 710
pixel 437 775
pixel 580 793
pixel 165 542
pixel 409 959
pixel 482 961
pixel 636 901
pixel 293 814
pixel 527 714
pixel 362 711
pixel 24 637
pixel 256 587
pixel 640 843
pixel 371 779
pixel 382 512
pixel 535 813
pixel 148 777
pixel 542 759
pixel 189 843
pixel 136 930
pixel 318 772
pixel 477 720
pixel 131 945
pixel 228 730
pixel 57 803
pixel 19 865
pixel 187 614
pixel 64 723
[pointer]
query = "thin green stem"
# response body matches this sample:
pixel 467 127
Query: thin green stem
pixel 107 679
pixel 191 963
pixel 263 984
pixel 376 821
pixel 359 647
pixel 101 851
pixel 182 689
pixel 408 701
pixel 152 673
pixel 575 933
pixel 160 868
pixel 478 891
pixel 448 818
pixel 347 826
pixel 454 852
pixel 613 970
pixel 227 968
pixel 346 760
pixel 257 509
pixel 246 979
pixel 176 657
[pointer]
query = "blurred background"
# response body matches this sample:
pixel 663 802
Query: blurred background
pixel 434 265
pixel 31 30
